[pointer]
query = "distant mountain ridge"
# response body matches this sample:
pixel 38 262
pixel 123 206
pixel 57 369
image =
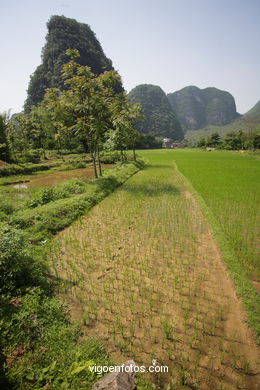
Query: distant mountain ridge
pixel 245 123
pixel 159 117
pixel 196 108
pixel 254 112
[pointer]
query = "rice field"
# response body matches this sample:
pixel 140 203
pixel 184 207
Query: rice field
pixel 229 182
pixel 142 272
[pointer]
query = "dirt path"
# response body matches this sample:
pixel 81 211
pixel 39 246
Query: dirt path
pixel 142 272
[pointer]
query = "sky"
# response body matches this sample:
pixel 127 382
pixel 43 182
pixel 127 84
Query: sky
pixel 170 43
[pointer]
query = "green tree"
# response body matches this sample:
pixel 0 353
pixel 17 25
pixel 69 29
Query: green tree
pixel 4 147
pixel 85 103
pixel 234 140
pixel 124 116
pixel 148 141
pixel 201 142
pixel 18 136
pixel 213 140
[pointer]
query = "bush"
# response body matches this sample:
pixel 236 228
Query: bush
pixel 110 157
pixel 78 164
pixel 62 190
pixel 41 197
pixel 13 169
pixel 3 217
pixel 6 206
pixel 42 346
pixel 70 187
pixel 33 156
pixel 18 269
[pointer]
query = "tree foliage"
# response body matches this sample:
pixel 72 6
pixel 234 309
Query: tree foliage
pixel 233 140
pixel 4 147
pixel 89 107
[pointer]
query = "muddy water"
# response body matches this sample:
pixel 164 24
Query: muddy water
pixel 51 179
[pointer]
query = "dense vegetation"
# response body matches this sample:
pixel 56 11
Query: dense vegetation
pixel 159 118
pixel 233 140
pixel 65 33
pixel 196 108
pixel 4 149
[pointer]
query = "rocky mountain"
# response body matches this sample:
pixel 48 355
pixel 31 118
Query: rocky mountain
pixel 64 33
pixel 254 113
pixel 159 117
pixel 196 108
pixel 247 123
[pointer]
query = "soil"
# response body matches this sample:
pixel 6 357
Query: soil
pixel 52 179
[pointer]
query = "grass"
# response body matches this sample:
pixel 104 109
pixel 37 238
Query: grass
pixel 229 183
pixel 226 185
pixel 142 273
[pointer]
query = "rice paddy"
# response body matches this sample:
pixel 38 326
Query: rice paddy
pixel 142 272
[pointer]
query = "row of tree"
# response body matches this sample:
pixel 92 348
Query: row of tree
pixel 89 112
pixel 234 140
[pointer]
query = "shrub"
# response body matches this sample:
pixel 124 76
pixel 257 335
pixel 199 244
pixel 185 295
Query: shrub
pixel 13 169
pixel 6 206
pixel 3 217
pixel 62 190
pixel 42 346
pixel 110 157
pixel 41 197
pixel 18 269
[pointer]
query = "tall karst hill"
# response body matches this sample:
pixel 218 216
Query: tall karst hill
pixel 65 33
pixel 196 108
pixel 159 117
pixel 248 123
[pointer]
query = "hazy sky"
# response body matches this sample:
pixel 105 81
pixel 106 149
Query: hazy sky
pixel 170 43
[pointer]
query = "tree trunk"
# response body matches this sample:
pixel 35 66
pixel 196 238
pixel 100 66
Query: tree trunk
pixel 99 165
pixel 93 156
pixel 134 153
pixel 122 155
